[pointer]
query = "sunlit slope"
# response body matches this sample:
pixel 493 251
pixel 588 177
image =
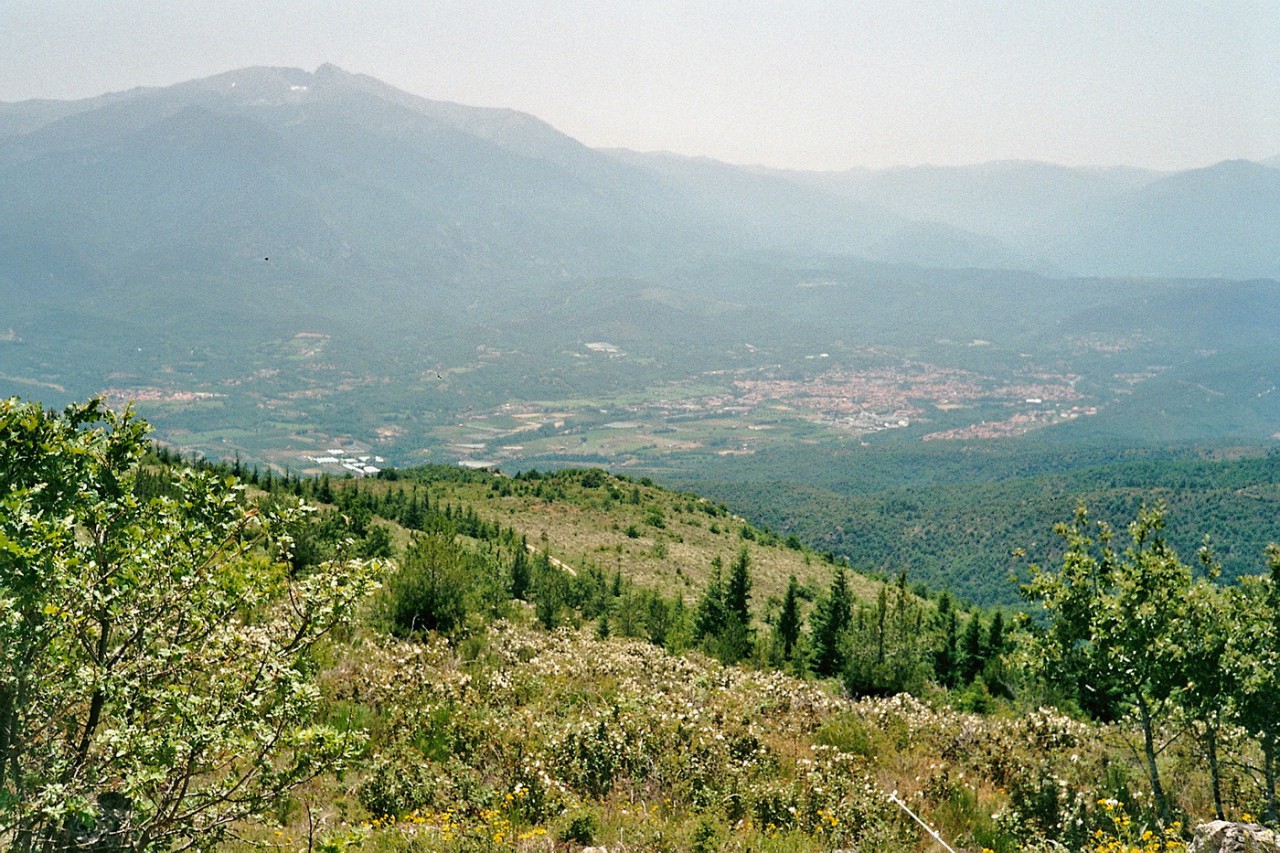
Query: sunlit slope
pixel 654 537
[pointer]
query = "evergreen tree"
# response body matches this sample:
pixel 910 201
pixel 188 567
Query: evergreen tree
pixel 789 618
pixel 430 590
pixel 831 619
pixel 995 636
pixel 551 592
pixel 973 653
pixel 412 517
pixel 520 575
pixel 722 622
pixel 737 594
pixel 630 617
pixel 657 619
pixel 889 651
pixel 710 617
pixel 680 630
pixel 376 543
pixel 946 656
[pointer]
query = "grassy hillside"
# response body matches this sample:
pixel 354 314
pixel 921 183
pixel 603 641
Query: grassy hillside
pixel 658 538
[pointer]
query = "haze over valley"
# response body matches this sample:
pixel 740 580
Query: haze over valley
pixel 317 272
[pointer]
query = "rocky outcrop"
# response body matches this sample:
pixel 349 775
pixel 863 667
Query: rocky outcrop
pixel 1222 836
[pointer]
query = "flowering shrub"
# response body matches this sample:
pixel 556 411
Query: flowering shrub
pixel 533 728
pixel 1044 804
pixel 395 784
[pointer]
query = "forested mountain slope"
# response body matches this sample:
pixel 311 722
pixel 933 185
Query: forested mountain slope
pixel 952 519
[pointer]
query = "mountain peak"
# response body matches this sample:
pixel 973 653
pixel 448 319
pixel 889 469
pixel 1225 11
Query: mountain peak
pixel 329 70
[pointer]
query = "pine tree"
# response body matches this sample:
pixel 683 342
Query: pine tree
pixel 789 618
pixel 973 654
pixel 520 575
pixel 737 596
pixel 412 517
pixel 831 619
pixel 551 592
pixel 995 635
pixel 710 618
pixel 946 644
pixel 658 619
pixel 325 493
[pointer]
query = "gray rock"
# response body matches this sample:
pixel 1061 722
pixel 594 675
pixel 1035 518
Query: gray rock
pixel 1222 836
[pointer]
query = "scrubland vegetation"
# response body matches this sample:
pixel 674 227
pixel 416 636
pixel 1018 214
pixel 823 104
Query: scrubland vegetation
pixel 432 661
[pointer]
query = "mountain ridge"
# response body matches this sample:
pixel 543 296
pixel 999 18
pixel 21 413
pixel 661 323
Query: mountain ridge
pixel 1004 214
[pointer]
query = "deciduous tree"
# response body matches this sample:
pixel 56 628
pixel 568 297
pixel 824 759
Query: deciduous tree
pixel 155 685
pixel 1116 619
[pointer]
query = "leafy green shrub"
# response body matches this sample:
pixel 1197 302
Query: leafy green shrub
pixel 1043 805
pixel 396 783
pixel 535 796
pixel 442 731
pixel 581 829
pixel 703 838
pixel 592 757
pixel 773 807
pixel 975 699
pixel 846 733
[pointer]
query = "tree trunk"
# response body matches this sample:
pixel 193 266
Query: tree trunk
pixel 1215 773
pixel 881 614
pixel 1272 815
pixel 7 710
pixel 1149 753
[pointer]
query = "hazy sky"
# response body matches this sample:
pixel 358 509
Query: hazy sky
pixel 798 83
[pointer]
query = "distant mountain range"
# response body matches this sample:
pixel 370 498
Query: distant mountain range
pixel 271 257
pixel 337 174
